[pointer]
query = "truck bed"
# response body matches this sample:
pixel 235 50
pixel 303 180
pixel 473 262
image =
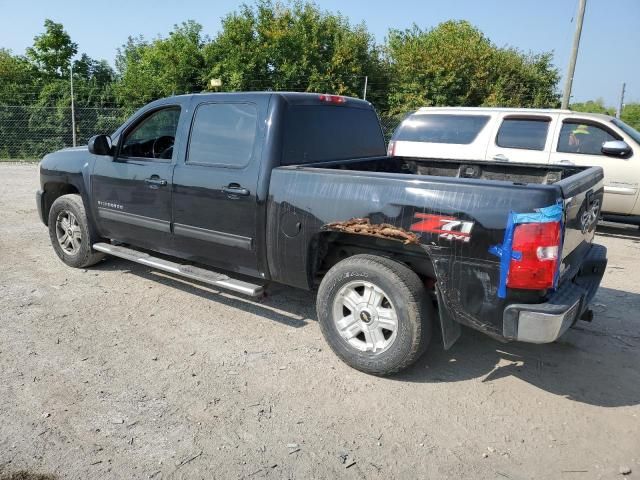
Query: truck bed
pixel 516 173
pixel 396 193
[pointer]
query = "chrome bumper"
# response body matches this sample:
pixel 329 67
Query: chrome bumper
pixel 546 322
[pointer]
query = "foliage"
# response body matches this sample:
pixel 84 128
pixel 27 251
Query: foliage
pixel 267 45
pixel 455 64
pixel 295 47
pixel 630 111
pixel 162 67
pixel 35 95
pixel 52 50
pixel 631 115
pixel 593 106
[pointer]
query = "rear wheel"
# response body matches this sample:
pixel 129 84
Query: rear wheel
pixel 375 314
pixel 70 234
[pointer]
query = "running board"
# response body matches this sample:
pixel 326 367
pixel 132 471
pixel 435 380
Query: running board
pixel 188 271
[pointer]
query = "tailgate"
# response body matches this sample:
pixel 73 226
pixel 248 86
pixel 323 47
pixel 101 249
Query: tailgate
pixel 582 194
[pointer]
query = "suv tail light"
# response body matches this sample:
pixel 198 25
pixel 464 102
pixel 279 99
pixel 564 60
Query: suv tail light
pixel 332 98
pixel 539 247
pixel 391 149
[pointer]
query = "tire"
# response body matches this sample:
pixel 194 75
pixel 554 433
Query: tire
pixel 67 215
pixel 360 294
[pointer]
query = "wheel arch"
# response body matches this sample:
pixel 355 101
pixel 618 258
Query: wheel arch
pixel 52 191
pixel 329 248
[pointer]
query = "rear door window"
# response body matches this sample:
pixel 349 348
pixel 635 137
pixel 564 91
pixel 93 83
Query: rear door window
pixel 438 128
pixel 223 134
pixel 523 133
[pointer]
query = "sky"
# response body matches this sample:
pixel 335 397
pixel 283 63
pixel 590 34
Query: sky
pixel 609 49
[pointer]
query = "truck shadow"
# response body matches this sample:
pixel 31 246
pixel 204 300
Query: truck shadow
pixel 596 363
pixel 276 305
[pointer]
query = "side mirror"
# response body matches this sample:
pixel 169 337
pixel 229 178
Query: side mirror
pixel 616 148
pixel 100 145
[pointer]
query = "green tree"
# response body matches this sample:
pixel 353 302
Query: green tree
pixel 593 106
pixel 456 64
pixel 631 115
pixel 52 50
pixel 522 80
pixel 162 67
pixel 19 81
pixel 294 46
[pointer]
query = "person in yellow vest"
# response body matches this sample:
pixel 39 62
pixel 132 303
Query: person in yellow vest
pixel 576 137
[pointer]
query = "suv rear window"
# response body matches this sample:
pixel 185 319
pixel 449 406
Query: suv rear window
pixel 434 128
pixel 315 133
pixel 523 133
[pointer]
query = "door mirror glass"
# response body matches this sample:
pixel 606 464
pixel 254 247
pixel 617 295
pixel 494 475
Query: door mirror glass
pixel 616 148
pixel 100 145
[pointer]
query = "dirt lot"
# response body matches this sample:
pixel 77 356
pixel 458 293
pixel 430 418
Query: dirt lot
pixel 120 371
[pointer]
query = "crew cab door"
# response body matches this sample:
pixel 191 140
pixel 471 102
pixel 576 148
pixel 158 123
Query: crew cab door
pixel 579 142
pixel 131 192
pixel 522 138
pixel 215 201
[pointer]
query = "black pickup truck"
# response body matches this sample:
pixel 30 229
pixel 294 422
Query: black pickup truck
pixel 296 189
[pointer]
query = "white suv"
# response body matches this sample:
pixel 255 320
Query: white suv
pixel 531 136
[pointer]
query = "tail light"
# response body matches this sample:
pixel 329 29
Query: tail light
pixel 391 149
pixel 539 247
pixel 332 99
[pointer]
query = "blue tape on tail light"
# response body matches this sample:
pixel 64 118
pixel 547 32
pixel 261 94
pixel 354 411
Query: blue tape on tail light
pixel 553 213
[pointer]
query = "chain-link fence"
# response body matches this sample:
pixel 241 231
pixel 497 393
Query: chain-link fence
pixel 31 131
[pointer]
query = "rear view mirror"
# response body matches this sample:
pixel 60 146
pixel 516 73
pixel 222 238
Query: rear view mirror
pixel 100 145
pixel 616 148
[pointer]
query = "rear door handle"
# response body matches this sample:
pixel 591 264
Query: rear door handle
pixel 155 180
pixel 500 158
pixel 235 190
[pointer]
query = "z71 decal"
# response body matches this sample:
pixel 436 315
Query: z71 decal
pixel 449 228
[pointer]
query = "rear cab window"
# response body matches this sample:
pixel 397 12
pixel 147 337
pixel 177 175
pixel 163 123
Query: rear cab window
pixel 525 133
pixel 316 133
pixel 441 128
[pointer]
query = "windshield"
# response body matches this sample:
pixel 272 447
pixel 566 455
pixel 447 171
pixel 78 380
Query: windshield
pixel 632 132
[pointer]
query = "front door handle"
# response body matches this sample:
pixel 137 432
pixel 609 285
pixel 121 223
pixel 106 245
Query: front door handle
pixel 500 158
pixel 235 190
pixel 155 180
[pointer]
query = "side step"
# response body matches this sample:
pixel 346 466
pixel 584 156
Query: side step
pixel 188 271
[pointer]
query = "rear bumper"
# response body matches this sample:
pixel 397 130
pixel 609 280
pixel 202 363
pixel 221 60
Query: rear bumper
pixel 545 322
pixel 39 195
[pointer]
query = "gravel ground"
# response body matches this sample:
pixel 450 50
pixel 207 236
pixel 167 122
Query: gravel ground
pixel 120 371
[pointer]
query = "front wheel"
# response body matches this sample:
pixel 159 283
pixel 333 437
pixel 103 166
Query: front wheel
pixel 374 313
pixel 70 234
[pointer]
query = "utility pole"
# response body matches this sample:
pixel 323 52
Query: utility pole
pixel 73 110
pixel 366 81
pixel 619 112
pixel 582 5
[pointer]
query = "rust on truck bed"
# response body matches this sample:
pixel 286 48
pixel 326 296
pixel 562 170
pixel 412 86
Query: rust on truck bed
pixel 363 226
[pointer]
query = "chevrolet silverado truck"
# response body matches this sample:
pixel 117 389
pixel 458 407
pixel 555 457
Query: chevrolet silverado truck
pixel 239 190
